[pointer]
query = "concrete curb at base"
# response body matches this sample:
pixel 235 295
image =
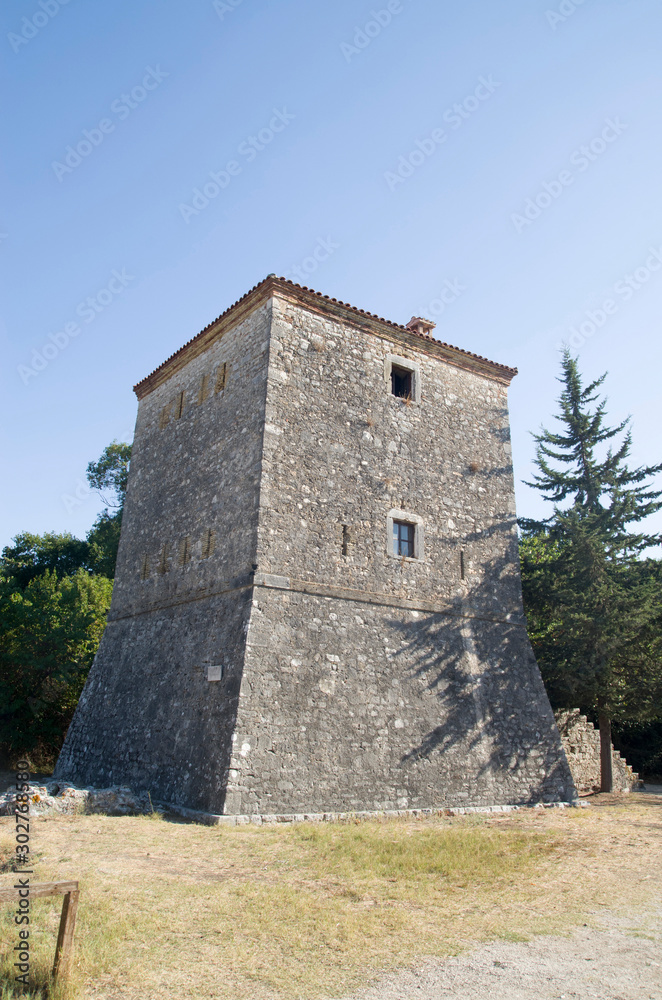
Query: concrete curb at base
pixel 214 819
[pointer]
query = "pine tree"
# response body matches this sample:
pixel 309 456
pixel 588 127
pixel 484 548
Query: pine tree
pixel 593 614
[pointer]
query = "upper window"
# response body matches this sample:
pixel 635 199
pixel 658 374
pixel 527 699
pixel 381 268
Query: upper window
pixel 404 535
pixel 402 378
pixel 401 382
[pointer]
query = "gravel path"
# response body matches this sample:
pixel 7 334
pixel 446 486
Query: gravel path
pixel 617 959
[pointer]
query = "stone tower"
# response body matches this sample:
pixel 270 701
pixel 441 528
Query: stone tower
pixel 317 604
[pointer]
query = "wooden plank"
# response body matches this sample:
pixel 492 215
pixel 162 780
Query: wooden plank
pixel 37 890
pixel 65 937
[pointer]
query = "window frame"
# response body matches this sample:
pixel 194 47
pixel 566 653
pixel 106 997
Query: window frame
pixel 404 539
pixel 406 364
pixel 397 516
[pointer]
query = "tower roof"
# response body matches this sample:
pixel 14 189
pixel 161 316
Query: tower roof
pixel 332 309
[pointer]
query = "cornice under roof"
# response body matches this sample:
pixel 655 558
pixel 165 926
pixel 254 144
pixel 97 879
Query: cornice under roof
pixel 323 304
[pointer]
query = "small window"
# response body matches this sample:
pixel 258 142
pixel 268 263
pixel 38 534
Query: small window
pixel 404 535
pixel 179 405
pixel 401 382
pixel 402 378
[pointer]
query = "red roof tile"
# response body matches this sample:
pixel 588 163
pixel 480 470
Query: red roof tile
pixel 293 287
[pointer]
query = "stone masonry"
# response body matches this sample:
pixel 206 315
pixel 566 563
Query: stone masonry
pixel 270 648
pixel 581 742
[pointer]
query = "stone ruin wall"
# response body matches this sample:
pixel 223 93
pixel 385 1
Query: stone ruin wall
pixel 581 742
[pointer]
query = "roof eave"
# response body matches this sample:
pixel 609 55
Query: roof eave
pixel 327 306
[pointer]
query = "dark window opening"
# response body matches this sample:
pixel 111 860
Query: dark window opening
pixel 461 564
pixel 179 406
pixel 401 382
pixel 345 539
pixel 403 539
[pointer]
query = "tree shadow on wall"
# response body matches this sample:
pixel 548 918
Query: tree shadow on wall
pixel 477 661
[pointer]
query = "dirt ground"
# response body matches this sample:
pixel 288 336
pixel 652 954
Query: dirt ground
pixel 584 920
pixel 618 957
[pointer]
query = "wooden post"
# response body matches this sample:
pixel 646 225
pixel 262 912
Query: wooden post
pixel 65 938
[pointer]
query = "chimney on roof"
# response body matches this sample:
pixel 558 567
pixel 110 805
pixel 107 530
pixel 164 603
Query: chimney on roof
pixel 419 325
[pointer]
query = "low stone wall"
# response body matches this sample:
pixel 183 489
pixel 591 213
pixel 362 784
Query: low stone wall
pixel 58 797
pixel 581 742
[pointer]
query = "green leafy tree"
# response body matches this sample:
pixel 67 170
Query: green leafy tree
pixel 593 615
pixel 33 555
pixel 110 474
pixel 30 555
pixel 109 477
pixel 54 596
pixel 49 633
pixel 103 540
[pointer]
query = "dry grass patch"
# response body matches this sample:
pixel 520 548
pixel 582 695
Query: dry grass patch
pixel 172 909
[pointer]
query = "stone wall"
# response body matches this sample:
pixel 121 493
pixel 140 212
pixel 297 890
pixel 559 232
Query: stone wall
pixel 581 742
pixel 341 451
pixel 266 652
pixel 190 517
pixel 354 705
pixel 381 682
pixel 148 716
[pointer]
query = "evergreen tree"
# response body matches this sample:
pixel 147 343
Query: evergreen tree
pixel 594 617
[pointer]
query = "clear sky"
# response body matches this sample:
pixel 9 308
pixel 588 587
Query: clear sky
pixel 405 141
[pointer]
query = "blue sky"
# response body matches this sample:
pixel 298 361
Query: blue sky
pixel 410 139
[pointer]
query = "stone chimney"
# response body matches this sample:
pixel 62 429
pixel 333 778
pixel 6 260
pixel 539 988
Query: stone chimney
pixel 419 325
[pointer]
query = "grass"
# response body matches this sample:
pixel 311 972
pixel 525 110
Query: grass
pixel 172 909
